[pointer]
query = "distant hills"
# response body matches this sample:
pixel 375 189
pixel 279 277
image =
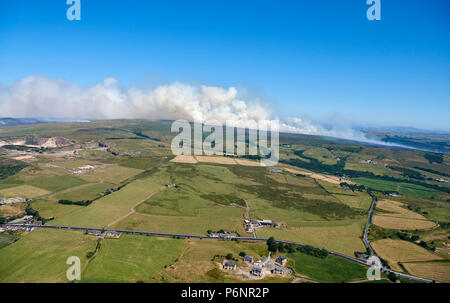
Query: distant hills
pixel 25 121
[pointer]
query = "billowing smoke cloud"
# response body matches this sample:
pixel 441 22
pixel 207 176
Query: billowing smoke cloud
pixel 37 96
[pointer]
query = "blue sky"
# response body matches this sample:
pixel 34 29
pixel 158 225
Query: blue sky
pixel 320 59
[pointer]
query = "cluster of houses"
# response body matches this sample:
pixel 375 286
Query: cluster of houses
pixel 260 268
pixel 81 169
pixel 369 162
pixel 104 234
pixel 224 235
pixel 12 200
pixel 442 180
pixel 393 194
pixel 275 169
pixel 17 228
pixel 24 220
pixel 251 225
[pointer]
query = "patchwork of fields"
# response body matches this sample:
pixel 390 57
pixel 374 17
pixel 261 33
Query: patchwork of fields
pixel 129 181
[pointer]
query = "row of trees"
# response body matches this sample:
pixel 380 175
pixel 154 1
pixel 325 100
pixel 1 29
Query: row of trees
pixel 353 187
pixel 81 203
pixel 273 246
pixel 32 212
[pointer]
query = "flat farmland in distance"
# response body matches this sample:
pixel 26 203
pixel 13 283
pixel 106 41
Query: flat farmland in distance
pixel 184 159
pixel 402 188
pixel 132 258
pixel 57 183
pixel 83 192
pixel 218 160
pixel 24 191
pixel 111 174
pixel 395 251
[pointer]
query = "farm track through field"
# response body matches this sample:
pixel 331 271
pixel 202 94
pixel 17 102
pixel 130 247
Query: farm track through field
pixel 132 210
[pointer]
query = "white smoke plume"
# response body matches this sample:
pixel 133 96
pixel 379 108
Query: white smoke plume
pixel 38 96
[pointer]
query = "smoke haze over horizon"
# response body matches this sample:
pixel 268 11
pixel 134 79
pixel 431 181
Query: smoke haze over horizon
pixel 38 96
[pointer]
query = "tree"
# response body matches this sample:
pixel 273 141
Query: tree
pixel 229 256
pixel 392 277
pixel 242 254
pixel 271 244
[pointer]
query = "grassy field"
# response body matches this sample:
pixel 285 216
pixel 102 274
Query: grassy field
pixel 57 183
pixel 439 271
pixel 344 238
pixel 394 215
pixel 109 208
pixel 331 269
pixel 50 208
pixel 132 258
pixel 402 223
pixel 83 192
pixel 111 174
pixel 6 239
pixel 24 191
pixel 41 256
pixel 12 210
pixel 395 251
pixel 402 188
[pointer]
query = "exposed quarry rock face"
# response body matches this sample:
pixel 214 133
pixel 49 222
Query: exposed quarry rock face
pixel 53 142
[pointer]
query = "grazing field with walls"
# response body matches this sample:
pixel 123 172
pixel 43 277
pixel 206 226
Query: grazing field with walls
pixel 131 259
pixel 394 215
pixel 439 271
pixel 330 270
pixel 24 191
pixel 395 251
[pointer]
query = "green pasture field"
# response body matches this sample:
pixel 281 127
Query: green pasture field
pixel 111 174
pixel 25 191
pixel 402 188
pixel 83 192
pixel 6 239
pixel 113 206
pixel 51 208
pixel 41 255
pixel 54 184
pixel 330 270
pixel 131 258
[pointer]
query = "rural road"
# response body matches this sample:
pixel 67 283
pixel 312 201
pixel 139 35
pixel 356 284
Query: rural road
pixel 148 233
pixel 367 227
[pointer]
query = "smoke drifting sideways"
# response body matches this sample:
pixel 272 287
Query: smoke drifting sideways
pixel 38 96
